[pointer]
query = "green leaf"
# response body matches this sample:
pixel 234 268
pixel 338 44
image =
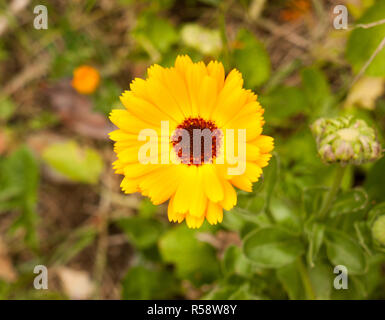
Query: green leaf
pixel 349 202
pixel 239 287
pixel 363 42
pixel 222 292
pixel 234 262
pixel 19 179
pixel 356 9
pixel 313 198
pixel 142 283
pixel 143 232
pixel 147 209
pixel 282 103
pixel 317 90
pixel 251 59
pixel 242 293
pixel 375 181
pixel 79 165
pixel 155 34
pixel 285 215
pixel 363 234
pixel 272 247
pixel 237 219
pixel 291 281
pixel 315 233
pixel 343 250
pixel 375 212
pixel 226 291
pixel 194 260
pixel 321 278
pixel 374 278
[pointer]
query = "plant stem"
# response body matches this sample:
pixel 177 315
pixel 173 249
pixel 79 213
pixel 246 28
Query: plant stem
pixel 310 295
pixel 222 25
pixel 368 63
pixel 332 193
pixel 270 216
pixel 270 188
pixel 102 244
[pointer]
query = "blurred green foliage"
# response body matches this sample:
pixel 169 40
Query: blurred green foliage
pixel 363 42
pixel 19 180
pixel 74 162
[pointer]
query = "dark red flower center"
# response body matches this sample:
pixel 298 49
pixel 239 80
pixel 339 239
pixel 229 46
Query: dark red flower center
pixel 196 141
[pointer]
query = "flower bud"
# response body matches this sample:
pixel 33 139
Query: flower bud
pixel 346 140
pixel 378 230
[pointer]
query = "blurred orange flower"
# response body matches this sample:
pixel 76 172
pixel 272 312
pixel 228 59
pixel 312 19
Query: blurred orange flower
pixel 86 79
pixel 295 9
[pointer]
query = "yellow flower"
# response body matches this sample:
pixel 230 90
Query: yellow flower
pixel 86 79
pixel 185 97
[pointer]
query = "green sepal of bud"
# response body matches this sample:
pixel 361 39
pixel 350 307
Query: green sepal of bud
pixel 346 140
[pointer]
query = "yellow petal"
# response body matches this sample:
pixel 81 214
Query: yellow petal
pixel 144 110
pixel 198 196
pixel 182 63
pixel 161 97
pixel 129 185
pixel 265 143
pixel 172 215
pixel 216 70
pixel 263 160
pixel 242 183
pixel 120 135
pixel 252 152
pixel 118 166
pixel 138 87
pixel 129 155
pixel 194 222
pixel 177 88
pixel 153 184
pixel 128 122
pixel 212 185
pixel 137 169
pixel 214 213
pixel 230 198
pixel 182 195
pixel 253 171
pixel 194 76
pixel 228 104
pixel 207 96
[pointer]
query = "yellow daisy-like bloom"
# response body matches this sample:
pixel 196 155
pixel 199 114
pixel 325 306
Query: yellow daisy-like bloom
pixel 190 96
pixel 86 79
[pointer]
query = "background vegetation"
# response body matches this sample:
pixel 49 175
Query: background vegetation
pixel 60 203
